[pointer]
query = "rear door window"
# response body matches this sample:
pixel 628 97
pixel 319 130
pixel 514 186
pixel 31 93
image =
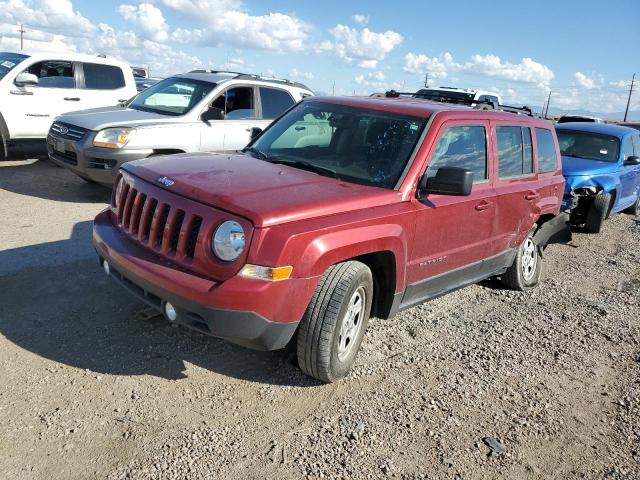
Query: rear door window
pixel 463 146
pixel 102 77
pixel 547 157
pixel 274 102
pixel 515 152
pixel 53 74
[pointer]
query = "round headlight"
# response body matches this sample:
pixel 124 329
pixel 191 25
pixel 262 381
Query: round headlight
pixel 228 241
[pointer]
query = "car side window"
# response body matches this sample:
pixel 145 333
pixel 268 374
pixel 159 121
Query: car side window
pixel 515 153
pixel 274 102
pixel 237 103
pixel 627 148
pixel 102 77
pixel 547 157
pixel 53 74
pixel 636 145
pixel 464 147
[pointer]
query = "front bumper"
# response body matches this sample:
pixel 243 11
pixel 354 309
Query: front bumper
pixel 98 164
pixel 255 314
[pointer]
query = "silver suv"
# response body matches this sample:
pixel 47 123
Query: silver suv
pixel 192 112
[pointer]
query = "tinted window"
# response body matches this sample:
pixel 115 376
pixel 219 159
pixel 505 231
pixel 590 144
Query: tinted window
pixel 53 74
pixel 274 102
pixel 102 77
pixel 353 144
pixel 509 151
pixel 589 145
pixel 9 61
pixel 464 147
pixel 627 148
pixel 547 158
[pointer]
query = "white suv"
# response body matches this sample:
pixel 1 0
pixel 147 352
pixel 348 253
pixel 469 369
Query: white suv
pixel 191 112
pixel 36 87
pixel 463 95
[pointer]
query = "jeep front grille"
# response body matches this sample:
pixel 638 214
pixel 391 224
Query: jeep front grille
pixel 70 132
pixel 170 231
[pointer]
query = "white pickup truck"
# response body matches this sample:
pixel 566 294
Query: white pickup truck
pixel 37 87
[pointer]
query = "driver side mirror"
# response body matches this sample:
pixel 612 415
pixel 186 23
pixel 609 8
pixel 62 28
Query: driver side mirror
pixel 447 181
pixel 24 79
pixel 632 160
pixel 254 132
pixel 212 114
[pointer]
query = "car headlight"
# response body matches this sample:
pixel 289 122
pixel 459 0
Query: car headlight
pixel 228 241
pixel 113 137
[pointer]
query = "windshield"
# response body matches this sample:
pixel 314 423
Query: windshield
pixel 8 61
pixel 352 144
pixel 592 146
pixel 173 96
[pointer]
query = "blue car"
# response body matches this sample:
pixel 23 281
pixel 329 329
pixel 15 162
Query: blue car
pixel 601 166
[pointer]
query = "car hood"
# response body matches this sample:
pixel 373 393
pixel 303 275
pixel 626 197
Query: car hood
pixel 99 118
pixel 572 166
pixel 265 193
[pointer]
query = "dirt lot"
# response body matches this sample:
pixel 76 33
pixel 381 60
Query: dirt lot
pixel 93 386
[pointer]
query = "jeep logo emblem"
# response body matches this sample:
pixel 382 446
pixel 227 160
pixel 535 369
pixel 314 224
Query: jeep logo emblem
pixel 64 130
pixel 167 182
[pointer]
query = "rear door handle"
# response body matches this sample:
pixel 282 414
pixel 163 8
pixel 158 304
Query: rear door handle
pixel 531 196
pixel 72 99
pixel 483 205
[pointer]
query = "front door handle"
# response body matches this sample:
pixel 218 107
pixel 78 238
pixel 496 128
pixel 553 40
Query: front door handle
pixel 483 205
pixel 72 99
pixel 531 195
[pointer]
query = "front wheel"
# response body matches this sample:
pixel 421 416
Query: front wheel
pixel 335 321
pixel 4 147
pixel 634 209
pixel 524 272
pixel 597 213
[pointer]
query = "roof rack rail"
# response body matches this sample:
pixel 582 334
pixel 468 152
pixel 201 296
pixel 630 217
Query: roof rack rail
pixel 201 70
pixel 251 76
pixel 470 102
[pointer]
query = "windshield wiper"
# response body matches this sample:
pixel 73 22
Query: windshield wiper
pixel 312 167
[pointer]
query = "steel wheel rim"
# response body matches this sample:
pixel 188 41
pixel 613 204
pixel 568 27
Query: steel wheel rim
pixel 529 259
pixel 352 323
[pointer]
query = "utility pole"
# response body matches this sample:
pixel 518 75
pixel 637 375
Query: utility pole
pixel 22 31
pixel 426 80
pixel 333 89
pixel 626 111
pixel 547 109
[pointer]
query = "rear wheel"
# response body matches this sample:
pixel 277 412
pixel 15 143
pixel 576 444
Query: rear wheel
pixel 525 271
pixel 597 213
pixel 335 321
pixel 634 209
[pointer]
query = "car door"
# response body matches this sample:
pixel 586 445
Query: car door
pixel 516 183
pixel 240 113
pixel 102 86
pixel 453 234
pixel 39 104
pixel 636 152
pixel 628 175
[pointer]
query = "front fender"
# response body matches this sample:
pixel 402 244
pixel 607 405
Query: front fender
pixel 605 183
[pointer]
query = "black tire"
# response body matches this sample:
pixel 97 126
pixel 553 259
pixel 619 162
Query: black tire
pixel 4 146
pixel 598 212
pixel 634 209
pixel 522 274
pixel 322 352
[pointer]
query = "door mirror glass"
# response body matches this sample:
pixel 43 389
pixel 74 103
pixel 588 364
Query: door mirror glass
pixel 447 181
pixel 632 160
pixel 213 113
pixel 26 78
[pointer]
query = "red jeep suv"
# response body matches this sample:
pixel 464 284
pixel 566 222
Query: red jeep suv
pixel 342 209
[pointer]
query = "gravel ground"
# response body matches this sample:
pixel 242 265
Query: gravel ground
pixel 483 383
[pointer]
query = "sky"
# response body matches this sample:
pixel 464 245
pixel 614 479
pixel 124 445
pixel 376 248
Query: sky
pixel 583 52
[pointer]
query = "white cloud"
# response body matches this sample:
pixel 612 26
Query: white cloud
pixel 527 70
pixel 369 79
pixel 148 18
pixel 226 20
pixel 295 73
pixel 56 15
pixel 361 19
pixel 363 48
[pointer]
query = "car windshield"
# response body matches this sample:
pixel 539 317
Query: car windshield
pixel 172 96
pixel 353 144
pixel 592 146
pixel 8 61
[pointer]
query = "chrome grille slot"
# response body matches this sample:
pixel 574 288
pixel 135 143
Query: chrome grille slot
pixel 70 132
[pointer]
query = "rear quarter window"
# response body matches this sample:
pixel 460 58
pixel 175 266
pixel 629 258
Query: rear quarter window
pixel 274 102
pixel 102 77
pixel 547 156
